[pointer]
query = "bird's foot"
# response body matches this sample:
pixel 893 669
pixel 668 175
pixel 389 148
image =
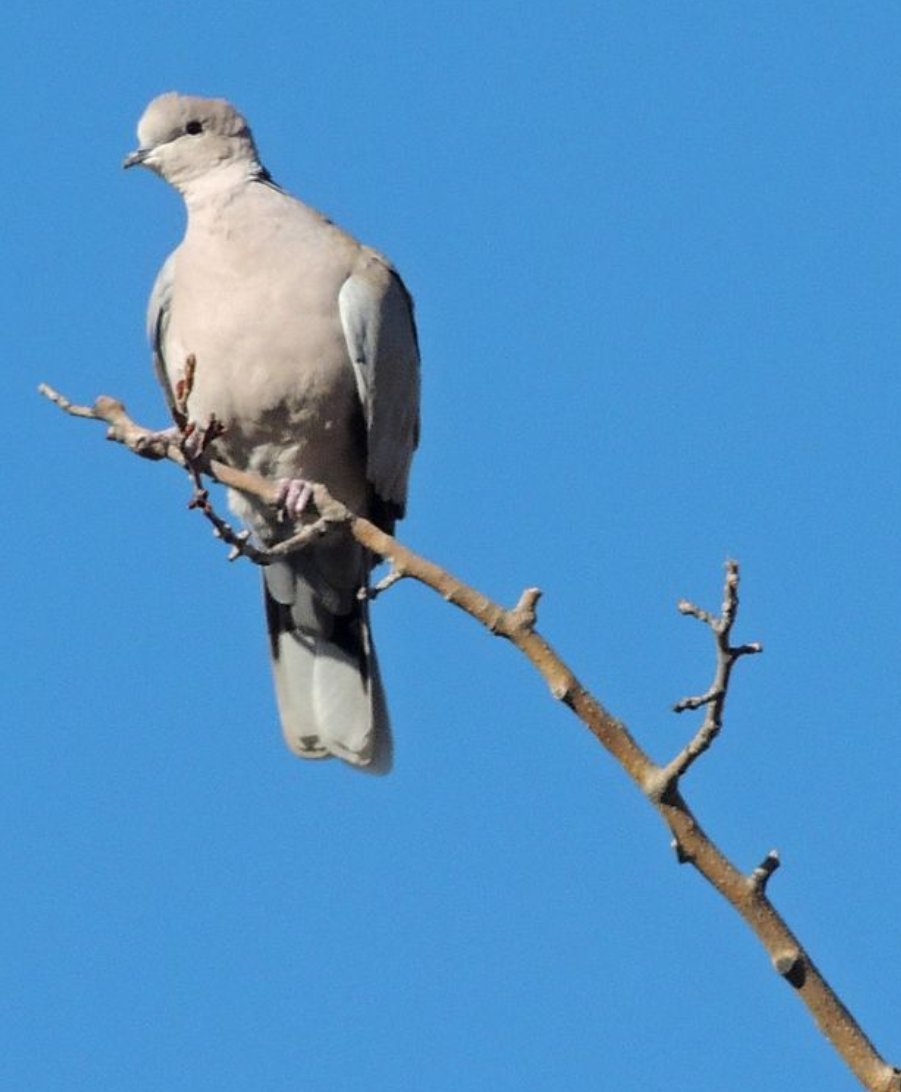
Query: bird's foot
pixel 294 494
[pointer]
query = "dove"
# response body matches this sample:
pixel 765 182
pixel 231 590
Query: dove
pixel 306 351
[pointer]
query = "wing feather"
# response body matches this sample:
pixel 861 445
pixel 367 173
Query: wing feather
pixel 377 316
pixel 158 320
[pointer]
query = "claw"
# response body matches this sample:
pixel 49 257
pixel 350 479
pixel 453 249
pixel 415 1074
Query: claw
pixel 294 494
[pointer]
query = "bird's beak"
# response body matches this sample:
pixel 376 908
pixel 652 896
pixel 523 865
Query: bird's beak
pixel 136 158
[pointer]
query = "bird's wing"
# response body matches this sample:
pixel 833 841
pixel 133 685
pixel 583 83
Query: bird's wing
pixel 377 316
pixel 158 319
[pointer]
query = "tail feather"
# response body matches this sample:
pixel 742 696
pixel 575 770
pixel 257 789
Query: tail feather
pixel 327 683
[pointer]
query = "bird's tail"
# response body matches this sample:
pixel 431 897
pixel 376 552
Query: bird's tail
pixel 327 683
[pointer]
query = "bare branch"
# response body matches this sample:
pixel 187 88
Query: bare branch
pixel 689 609
pixel 714 698
pixel 760 877
pixel 64 404
pixel 746 894
pixel 392 577
pixel 177 446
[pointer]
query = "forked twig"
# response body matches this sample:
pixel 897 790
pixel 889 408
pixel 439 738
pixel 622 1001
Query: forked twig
pixel 714 698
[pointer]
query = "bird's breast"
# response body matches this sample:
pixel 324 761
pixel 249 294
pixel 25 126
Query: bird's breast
pixel 271 364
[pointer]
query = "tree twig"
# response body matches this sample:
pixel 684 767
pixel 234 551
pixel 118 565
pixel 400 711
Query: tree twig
pixel 714 698
pixel 745 893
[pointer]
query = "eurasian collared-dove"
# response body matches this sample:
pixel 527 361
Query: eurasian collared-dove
pixel 306 350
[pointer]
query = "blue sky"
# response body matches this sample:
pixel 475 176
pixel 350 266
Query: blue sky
pixel 656 254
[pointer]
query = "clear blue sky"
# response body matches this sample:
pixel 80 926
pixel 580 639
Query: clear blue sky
pixel 656 250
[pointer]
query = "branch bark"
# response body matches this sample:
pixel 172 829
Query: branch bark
pixel 746 893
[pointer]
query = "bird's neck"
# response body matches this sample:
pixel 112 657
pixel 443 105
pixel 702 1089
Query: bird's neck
pixel 219 185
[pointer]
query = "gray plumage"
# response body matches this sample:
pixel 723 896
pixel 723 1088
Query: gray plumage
pixel 306 349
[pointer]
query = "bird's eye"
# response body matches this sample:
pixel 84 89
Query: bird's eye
pixel 194 127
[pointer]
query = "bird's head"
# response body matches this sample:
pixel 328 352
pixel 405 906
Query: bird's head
pixel 184 138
